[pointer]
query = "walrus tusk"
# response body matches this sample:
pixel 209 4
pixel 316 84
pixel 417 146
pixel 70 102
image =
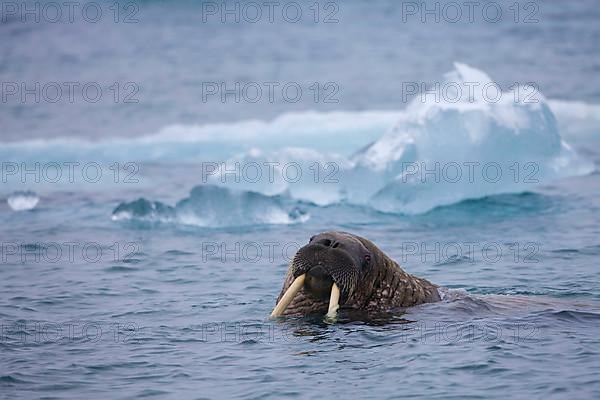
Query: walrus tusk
pixel 288 296
pixel 334 301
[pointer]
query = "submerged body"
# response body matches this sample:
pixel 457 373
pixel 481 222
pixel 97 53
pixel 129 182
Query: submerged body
pixel 339 269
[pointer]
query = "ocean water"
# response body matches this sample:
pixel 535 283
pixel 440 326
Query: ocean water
pixel 145 236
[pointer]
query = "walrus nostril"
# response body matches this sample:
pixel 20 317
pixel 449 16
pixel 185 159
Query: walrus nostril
pixel 325 242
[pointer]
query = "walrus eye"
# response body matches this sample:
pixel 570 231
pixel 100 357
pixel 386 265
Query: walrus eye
pixel 367 258
pixel 311 239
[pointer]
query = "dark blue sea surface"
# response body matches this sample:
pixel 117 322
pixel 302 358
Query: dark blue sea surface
pixel 135 264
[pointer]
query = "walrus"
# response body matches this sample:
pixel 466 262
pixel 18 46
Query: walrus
pixel 341 269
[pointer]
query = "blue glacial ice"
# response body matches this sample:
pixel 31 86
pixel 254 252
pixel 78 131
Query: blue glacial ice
pixel 441 150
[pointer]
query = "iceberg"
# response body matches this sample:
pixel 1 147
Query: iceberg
pixel 445 150
pixel 464 144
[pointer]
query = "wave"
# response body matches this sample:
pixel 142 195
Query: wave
pixel 212 206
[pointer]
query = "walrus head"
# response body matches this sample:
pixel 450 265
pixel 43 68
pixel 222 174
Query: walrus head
pixel 339 268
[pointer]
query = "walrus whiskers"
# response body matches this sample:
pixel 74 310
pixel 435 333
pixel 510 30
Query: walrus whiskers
pixel 289 295
pixel 334 301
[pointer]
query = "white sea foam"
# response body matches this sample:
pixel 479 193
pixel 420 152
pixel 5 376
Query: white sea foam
pixel 23 200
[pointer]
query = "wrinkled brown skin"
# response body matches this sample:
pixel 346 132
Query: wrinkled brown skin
pixel 384 287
